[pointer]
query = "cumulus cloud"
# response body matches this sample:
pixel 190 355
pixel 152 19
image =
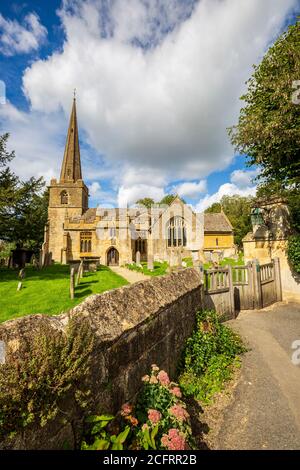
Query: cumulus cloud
pixel 128 196
pixel 37 140
pixel 240 184
pixel 242 178
pixel 158 82
pixel 166 106
pixel 190 189
pixel 17 38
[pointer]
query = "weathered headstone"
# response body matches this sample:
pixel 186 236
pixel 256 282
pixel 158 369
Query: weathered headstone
pixel 138 258
pixel 19 286
pixel 72 282
pixel 79 274
pixel 150 264
pixel 22 273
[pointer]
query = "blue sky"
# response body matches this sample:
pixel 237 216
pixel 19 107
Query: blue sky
pixel 158 82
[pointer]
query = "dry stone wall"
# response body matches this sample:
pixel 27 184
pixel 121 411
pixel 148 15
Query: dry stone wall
pixel 133 327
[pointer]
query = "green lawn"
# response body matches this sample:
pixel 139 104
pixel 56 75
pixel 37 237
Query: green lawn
pixel 159 268
pixel 47 291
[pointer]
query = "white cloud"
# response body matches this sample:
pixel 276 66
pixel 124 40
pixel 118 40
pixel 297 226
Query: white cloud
pixel 242 178
pixel 153 114
pixel 241 185
pixel 94 189
pixel 190 189
pixel 37 140
pixel 128 196
pixel 166 107
pixel 17 38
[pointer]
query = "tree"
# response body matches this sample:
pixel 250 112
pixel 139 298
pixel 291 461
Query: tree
pixel 5 156
pixel 238 211
pixel 23 205
pixel 268 131
pixel 146 201
pixel 169 198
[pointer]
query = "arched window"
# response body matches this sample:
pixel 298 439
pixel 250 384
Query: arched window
pixel 64 197
pixel 141 246
pixel 85 242
pixel 176 232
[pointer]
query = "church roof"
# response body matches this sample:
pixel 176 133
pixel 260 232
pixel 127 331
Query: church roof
pixel 217 222
pixel 71 167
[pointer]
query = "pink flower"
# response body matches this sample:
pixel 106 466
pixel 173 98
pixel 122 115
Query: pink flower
pixel 176 391
pixel 146 378
pixel 126 409
pixel 154 416
pixel 153 380
pixel 179 412
pixel 163 378
pixel 145 427
pixel 173 440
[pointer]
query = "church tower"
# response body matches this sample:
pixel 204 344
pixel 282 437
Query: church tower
pixel 68 197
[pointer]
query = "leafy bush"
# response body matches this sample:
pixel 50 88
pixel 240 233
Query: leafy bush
pixel 159 420
pixel 101 437
pixel 209 357
pixel 52 371
pixel 294 252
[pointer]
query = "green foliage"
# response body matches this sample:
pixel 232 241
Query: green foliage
pixel 169 198
pixel 209 357
pixel 294 252
pixel 5 249
pixel 23 205
pixel 188 261
pixel 237 209
pixel 160 422
pixel 47 290
pixel 5 155
pixel 146 201
pixel 268 131
pixel 99 437
pixel 158 268
pixel 50 372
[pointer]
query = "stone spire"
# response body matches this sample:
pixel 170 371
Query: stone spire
pixel 71 167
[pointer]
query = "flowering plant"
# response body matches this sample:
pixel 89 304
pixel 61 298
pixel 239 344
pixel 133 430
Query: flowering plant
pixel 162 413
pixel 159 420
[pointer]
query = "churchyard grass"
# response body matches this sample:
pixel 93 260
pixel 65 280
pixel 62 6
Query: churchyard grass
pixel 158 268
pixel 47 290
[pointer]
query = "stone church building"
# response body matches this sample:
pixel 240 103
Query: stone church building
pixel 114 236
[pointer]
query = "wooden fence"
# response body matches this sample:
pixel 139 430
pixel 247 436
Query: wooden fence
pixel 232 289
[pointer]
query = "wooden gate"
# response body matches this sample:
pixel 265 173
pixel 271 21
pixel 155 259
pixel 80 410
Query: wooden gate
pixel 232 289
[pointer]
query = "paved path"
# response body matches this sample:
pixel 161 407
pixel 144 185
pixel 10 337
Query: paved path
pixel 130 276
pixel 265 410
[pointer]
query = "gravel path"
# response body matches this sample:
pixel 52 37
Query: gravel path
pixel 264 412
pixel 130 276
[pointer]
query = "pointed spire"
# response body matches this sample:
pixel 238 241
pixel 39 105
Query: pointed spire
pixel 71 167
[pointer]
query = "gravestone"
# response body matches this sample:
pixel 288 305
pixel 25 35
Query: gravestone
pixel 22 273
pixel 138 258
pixel 72 279
pixel 19 286
pixel 150 264
pixel 79 274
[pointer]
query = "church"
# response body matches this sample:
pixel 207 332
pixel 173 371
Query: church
pixel 114 236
